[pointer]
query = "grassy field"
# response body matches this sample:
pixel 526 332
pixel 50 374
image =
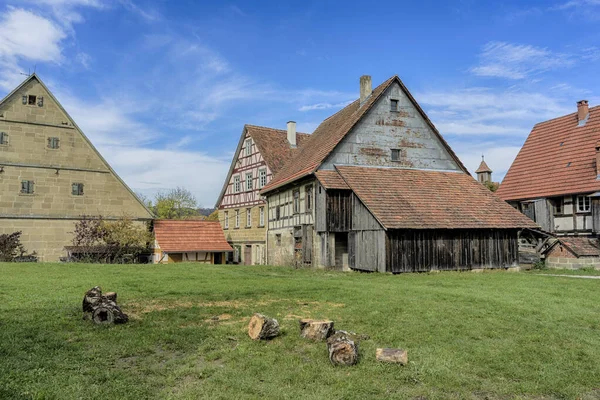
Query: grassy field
pixel 492 335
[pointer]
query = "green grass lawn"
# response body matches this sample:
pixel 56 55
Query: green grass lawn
pixel 492 335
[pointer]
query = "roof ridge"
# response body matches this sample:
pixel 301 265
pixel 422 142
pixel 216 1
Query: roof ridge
pixel 273 129
pixel 563 116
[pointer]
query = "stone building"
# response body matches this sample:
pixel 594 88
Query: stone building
pixel 377 188
pixel 51 174
pixel 261 152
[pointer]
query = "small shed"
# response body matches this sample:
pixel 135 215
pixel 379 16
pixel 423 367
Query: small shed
pixel 574 252
pixel 189 241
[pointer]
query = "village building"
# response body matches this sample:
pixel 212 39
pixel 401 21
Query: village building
pixel 377 188
pixel 260 153
pixel 190 241
pixel 554 179
pixel 51 174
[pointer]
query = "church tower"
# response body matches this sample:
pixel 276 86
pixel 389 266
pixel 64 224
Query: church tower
pixel 484 173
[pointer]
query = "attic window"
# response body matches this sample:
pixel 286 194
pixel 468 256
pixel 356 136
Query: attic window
pixel 394 105
pixel 3 138
pixel 77 189
pixel 31 100
pixel 53 143
pixel 248 147
pixel 396 154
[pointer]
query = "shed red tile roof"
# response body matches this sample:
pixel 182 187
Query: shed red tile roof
pixel 331 180
pixel 581 246
pixel 558 158
pixel 274 146
pixel 331 131
pixel 424 199
pixel 190 235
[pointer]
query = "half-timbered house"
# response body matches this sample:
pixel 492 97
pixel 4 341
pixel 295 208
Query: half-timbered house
pixel 377 188
pixel 260 153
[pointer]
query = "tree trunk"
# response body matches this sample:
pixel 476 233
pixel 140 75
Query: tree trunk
pixel 91 299
pixel 343 350
pixel 111 296
pixel 102 309
pixel 315 330
pixel 262 327
pixel 396 356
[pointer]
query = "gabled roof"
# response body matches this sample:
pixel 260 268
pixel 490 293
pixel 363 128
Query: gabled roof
pixel 483 167
pixel 331 132
pixel 331 180
pixel 59 105
pixel 174 236
pixel 427 199
pixel 580 246
pixel 558 158
pixel 273 146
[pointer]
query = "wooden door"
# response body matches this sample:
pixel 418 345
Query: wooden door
pixel 248 255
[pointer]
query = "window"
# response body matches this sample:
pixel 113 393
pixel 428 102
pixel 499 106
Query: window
pixel 309 196
pixel 261 220
pixel 296 201
pixel 3 138
pixel 248 147
pixel 27 187
pixel 396 154
pixel 262 178
pixel 393 105
pixel 583 204
pixel 248 217
pixel 558 206
pixel 236 184
pixel 278 213
pixel 226 222
pixel 53 143
pixel 77 189
pixel 31 100
pixel 237 218
pixel 278 239
pixel 249 181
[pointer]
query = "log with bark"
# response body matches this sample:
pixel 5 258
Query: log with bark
pixel 102 308
pixel 396 356
pixel 262 327
pixel 316 330
pixel 343 348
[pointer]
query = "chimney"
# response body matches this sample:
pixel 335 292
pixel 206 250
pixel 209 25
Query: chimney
pixel 582 111
pixel 598 160
pixel 365 88
pixel 291 133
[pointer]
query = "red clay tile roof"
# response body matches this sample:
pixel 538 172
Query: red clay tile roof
pixel 331 180
pixel 581 246
pixel 274 146
pixel 483 167
pixel 558 158
pixel 184 235
pixel 424 199
pixel 331 131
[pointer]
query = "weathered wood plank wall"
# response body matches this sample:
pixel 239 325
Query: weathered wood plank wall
pixel 424 250
pixel 339 210
pixel 366 250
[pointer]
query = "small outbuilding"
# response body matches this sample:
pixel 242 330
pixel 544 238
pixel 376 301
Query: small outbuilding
pixel 574 252
pixel 189 241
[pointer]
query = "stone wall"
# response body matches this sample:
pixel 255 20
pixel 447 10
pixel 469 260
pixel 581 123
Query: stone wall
pixel 254 236
pixel 573 263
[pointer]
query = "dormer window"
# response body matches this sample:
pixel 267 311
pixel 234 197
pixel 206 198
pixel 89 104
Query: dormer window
pixel 393 105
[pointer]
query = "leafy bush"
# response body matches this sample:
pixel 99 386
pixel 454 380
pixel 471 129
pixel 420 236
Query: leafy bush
pixel 11 248
pixel 97 240
pixel 539 265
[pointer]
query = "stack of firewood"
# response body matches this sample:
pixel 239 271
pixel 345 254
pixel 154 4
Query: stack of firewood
pixel 102 308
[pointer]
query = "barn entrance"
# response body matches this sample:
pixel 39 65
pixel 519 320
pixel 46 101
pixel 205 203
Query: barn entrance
pixel 341 250
pixel 248 254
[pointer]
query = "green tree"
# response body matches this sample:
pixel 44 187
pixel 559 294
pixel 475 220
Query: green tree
pixel 214 216
pixel 178 203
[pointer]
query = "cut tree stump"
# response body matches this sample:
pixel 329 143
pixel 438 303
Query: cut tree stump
pixel 396 356
pixel 343 349
pixel 316 330
pixel 102 309
pixel 262 327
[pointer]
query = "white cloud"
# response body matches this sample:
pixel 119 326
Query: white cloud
pixel 514 61
pixel 151 170
pixel 324 106
pixel 84 59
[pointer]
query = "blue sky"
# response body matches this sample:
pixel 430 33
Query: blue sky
pixel 163 88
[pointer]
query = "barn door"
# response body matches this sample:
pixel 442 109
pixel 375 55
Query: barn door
pixel 307 241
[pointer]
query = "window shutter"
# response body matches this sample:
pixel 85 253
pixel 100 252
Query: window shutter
pixel 74 189
pixel 50 143
pixel 56 143
pixel 25 99
pixel 40 101
pixel 81 189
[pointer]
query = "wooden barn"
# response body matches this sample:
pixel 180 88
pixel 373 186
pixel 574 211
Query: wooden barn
pixel 377 188
pixel 189 240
